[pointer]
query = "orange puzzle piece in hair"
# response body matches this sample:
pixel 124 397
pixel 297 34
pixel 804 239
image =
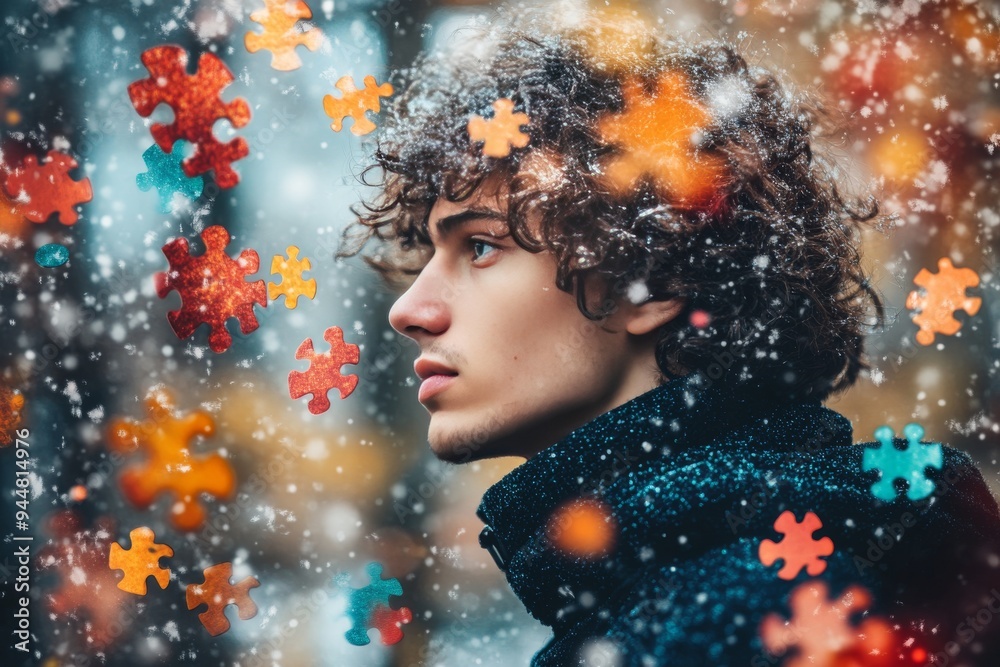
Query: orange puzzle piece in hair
pixel 797 549
pixel 944 295
pixel 283 32
pixel 355 103
pixel 501 132
pixel 140 561
pixel 170 466
pixel 657 136
pixel 48 188
pixel 218 593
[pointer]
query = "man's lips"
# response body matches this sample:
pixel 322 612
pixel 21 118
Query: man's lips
pixel 436 377
pixel 425 367
pixel 433 385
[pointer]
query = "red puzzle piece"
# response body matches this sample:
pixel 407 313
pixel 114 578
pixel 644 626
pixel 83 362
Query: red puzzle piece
pixel 213 287
pixel 324 371
pixel 80 556
pixel 822 632
pixel 49 188
pixel 798 548
pixel 389 623
pixel 218 593
pixel 197 104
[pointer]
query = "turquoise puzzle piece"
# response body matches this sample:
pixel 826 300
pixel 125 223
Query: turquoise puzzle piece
pixel 909 463
pixel 363 602
pixel 167 176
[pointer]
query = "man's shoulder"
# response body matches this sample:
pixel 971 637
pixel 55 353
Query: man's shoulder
pixel 713 495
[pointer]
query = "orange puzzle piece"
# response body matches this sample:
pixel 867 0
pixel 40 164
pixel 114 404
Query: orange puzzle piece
pixel 944 294
pixel 798 548
pixel 292 285
pixel 324 371
pixel 822 632
pixel 11 404
pixel 218 593
pixel 283 32
pixel 169 464
pixel 656 135
pixel 197 104
pixel 11 218
pixel 141 561
pixel 355 103
pixel 48 188
pixel 87 588
pixel 501 132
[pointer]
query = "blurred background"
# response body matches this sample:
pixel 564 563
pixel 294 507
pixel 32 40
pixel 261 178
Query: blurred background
pixel 320 496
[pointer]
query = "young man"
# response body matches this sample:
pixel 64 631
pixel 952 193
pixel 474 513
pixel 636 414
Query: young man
pixel 648 300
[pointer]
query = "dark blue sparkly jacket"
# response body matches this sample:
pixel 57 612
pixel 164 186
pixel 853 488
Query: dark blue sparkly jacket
pixel 695 480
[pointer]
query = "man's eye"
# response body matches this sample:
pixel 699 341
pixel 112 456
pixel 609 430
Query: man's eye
pixel 476 244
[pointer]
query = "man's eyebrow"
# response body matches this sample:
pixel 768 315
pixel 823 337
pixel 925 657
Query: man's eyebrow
pixel 448 224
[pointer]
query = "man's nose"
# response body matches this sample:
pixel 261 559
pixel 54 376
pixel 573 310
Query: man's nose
pixel 421 310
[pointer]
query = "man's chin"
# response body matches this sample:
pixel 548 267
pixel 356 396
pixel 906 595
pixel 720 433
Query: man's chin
pixel 455 442
pixel 455 455
pixel 457 450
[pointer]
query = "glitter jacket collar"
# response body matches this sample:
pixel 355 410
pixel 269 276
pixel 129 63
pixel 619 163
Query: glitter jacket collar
pixel 646 435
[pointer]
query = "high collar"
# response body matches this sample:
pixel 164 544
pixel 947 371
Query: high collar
pixel 653 430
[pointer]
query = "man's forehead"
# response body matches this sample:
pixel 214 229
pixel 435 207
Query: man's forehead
pixel 447 216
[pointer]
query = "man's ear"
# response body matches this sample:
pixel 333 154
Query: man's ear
pixel 652 315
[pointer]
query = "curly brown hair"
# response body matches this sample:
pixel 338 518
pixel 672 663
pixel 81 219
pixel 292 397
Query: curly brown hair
pixel 774 262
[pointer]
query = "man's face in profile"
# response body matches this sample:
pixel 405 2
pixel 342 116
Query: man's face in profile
pixel 514 363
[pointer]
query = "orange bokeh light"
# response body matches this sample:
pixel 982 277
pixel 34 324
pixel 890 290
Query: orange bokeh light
pixel 900 156
pixel 583 528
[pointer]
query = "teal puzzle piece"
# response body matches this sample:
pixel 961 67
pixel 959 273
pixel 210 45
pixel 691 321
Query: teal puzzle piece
pixel 909 463
pixel 363 602
pixel 167 176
